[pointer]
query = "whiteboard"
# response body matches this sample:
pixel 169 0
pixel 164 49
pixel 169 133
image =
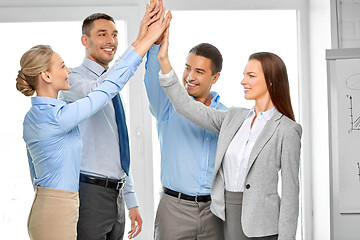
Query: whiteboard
pixel 344 132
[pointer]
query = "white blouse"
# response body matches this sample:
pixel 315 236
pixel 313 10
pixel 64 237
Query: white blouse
pixel 237 155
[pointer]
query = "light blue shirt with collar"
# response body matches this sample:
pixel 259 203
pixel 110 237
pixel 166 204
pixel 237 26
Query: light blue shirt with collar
pixel 101 152
pixel 51 134
pixel 187 151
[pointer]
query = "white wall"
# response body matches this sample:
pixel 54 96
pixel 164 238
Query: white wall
pixel 319 40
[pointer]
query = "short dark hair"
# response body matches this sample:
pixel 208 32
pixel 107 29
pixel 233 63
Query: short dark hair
pixel 209 51
pixel 88 22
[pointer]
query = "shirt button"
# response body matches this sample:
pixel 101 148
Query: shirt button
pixel 247 186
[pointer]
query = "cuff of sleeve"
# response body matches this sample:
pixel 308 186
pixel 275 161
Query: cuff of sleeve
pixel 167 79
pixel 133 59
pixel 130 200
pixel 168 75
pixel 128 50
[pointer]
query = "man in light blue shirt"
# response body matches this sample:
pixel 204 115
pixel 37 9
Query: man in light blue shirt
pixel 187 151
pixel 102 213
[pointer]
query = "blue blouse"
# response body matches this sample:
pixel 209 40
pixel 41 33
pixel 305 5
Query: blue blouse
pixel 51 134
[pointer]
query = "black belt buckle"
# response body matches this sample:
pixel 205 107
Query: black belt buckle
pixel 103 182
pixel 120 184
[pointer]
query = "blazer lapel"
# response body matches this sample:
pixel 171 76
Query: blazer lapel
pixel 231 129
pixel 263 138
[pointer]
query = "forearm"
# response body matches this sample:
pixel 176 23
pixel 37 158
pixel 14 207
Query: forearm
pixel 165 64
pixel 80 86
pixel 289 212
pixel 290 161
pixel 114 66
pixel 196 112
pixel 158 101
pixel 144 45
pixel 72 114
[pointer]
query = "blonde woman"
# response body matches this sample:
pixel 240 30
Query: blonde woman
pixel 52 136
pixel 253 146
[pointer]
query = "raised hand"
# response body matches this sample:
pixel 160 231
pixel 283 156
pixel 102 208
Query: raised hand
pixel 154 31
pixel 157 28
pixel 161 37
pixel 150 16
pixel 164 47
pixel 163 55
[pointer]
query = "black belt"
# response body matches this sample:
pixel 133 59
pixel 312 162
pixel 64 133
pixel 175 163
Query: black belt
pixel 103 182
pixel 198 198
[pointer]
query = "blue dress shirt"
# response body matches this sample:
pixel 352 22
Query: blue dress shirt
pixel 101 152
pixel 51 134
pixel 187 151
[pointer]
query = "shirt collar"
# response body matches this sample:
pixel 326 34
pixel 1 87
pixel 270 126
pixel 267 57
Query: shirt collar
pixel 45 101
pixel 251 113
pixel 215 98
pixel 93 66
pixel 269 113
pixel 266 115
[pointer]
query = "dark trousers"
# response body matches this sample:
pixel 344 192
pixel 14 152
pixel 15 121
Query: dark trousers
pixel 232 226
pixel 101 213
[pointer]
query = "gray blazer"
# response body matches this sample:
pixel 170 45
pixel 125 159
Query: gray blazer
pixel 277 148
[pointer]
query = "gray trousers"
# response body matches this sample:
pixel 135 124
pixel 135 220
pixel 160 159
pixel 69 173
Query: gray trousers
pixel 232 226
pixel 186 220
pixel 101 213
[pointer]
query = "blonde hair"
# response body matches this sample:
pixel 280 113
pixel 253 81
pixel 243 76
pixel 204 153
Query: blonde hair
pixel 32 63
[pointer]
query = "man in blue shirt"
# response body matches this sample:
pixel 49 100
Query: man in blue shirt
pixel 101 213
pixel 187 151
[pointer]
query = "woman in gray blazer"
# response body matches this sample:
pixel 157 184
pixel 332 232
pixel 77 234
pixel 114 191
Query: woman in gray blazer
pixel 254 146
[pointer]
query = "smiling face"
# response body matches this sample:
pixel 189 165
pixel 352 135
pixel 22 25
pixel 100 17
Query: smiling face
pixel 58 73
pixel 102 42
pixel 254 82
pixel 197 77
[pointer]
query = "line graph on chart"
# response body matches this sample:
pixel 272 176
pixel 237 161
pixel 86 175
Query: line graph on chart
pixel 354 121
